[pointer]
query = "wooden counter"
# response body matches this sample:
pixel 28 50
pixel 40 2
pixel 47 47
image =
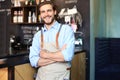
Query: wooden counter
pixel 9 62
pixel 16 64
pixel 13 60
pixel 78 67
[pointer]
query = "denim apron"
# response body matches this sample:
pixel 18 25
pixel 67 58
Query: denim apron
pixel 54 71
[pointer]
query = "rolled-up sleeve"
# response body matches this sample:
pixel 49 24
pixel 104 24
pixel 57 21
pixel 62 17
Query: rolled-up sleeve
pixel 69 39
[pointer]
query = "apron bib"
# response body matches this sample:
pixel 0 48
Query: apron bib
pixel 54 71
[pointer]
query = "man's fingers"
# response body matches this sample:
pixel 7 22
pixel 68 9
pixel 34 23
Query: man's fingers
pixel 64 46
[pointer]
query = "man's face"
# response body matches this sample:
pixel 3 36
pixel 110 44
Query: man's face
pixel 47 14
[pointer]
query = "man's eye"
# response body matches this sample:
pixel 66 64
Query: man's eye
pixel 42 12
pixel 49 11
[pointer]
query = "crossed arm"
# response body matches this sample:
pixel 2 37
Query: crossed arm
pixel 47 58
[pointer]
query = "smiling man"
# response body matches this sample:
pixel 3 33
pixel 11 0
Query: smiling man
pixel 53 46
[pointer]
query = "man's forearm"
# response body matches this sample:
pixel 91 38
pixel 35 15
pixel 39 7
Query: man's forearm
pixel 55 56
pixel 44 62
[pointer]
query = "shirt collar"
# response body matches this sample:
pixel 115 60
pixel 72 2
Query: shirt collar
pixel 54 26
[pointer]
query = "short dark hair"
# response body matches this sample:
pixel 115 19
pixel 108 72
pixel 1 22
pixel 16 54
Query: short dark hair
pixel 48 2
pixel 53 6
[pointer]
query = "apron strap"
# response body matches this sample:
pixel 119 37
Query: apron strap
pixel 42 43
pixel 57 35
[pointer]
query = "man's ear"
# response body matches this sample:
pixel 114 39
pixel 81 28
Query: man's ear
pixel 55 12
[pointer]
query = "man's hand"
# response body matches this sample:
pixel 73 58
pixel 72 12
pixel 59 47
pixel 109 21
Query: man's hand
pixel 43 53
pixel 64 47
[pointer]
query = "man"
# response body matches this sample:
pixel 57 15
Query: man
pixel 53 46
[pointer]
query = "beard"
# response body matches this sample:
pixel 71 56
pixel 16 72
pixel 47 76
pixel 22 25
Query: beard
pixel 51 21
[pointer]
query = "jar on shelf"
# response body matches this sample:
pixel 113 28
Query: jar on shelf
pixel 37 2
pixel 15 17
pixel 29 17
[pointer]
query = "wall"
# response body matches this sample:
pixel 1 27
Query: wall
pixel 112 18
pixel 104 22
pixel 6 28
pixel 83 6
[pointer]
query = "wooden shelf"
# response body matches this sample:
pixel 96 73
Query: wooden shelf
pixel 23 12
pixel 25 23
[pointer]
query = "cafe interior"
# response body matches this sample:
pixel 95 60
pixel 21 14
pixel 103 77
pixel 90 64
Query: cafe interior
pixel 96 30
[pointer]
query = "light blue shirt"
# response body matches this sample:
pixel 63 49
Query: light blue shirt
pixel 66 36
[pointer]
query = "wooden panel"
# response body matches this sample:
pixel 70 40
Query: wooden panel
pixel 3 74
pixel 78 69
pixel 3 33
pixel 24 72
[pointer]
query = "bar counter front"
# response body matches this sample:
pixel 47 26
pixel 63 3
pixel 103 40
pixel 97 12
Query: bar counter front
pixel 10 61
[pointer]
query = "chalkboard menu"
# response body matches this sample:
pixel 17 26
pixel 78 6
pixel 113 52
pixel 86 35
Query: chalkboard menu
pixel 2 0
pixel 28 33
pixel 3 40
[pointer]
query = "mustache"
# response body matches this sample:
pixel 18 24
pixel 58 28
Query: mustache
pixel 47 16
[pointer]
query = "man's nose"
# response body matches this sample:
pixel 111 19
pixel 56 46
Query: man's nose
pixel 46 13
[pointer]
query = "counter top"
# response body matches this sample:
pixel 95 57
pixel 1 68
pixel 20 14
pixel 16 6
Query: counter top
pixel 12 60
pixel 19 58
